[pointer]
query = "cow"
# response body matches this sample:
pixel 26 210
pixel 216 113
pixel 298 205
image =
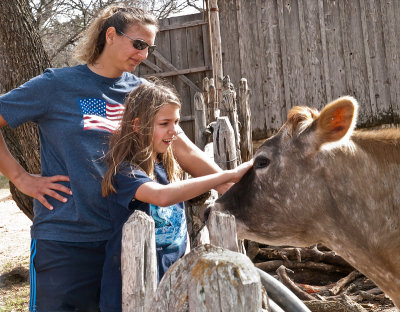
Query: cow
pixel 320 181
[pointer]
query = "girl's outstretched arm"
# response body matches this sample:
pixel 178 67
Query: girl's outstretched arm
pixel 166 195
pixel 29 184
pixel 195 161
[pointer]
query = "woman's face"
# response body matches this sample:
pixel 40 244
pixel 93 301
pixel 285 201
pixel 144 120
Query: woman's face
pixel 124 56
pixel 165 128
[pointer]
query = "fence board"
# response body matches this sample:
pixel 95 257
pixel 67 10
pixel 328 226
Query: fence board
pixel 334 60
pixel 229 39
pixel 251 54
pixel 296 70
pixel 206 49
pixel 180 60
pixel 358 71
pixel 274 92
pixel 183 59
pixel 314 52
pixel 196 57
pixel 391 41
pixel 375 45
pixel 163 42
pixel 139 273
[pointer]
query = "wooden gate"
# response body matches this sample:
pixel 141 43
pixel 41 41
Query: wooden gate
pixel 183 58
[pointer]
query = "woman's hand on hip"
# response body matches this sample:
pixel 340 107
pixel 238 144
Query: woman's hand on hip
pixel 38 187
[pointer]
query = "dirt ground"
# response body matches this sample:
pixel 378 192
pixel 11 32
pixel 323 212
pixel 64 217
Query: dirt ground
pixel 14 255
pixel 14 231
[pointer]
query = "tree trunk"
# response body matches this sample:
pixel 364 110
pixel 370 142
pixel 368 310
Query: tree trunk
pixel 22 57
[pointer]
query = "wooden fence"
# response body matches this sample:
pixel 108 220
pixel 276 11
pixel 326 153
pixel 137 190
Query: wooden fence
pixel 292 52
pixel 209 278
pixel 225 144
pixel 308 52
pixel 229 120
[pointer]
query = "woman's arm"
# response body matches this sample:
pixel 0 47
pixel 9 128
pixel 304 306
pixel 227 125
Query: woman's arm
pixel 31 185
pixel 195 161
pixel 166 195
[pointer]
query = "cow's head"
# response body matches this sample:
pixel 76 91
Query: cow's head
pixel 279 199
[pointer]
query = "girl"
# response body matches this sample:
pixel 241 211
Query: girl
pixel 143 174
pixel 76 109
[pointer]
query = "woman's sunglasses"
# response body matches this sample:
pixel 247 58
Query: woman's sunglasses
pixel 139 44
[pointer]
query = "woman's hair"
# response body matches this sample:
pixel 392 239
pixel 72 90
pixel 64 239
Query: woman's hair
pixel 136 147
pixel 92 43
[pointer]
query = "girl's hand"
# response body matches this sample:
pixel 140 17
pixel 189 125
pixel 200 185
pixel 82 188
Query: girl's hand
pixel 221 189
pixel 37 187
pixel 240 171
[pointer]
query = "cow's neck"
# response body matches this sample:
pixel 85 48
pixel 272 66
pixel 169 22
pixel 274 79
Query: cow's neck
pixel 364 201
pixel 382 144
pixel 384 272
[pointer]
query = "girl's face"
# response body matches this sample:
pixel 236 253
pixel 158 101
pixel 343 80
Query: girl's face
pixel 165 128
pixel 124 56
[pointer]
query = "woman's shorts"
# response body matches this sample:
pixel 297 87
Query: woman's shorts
pixel 65 276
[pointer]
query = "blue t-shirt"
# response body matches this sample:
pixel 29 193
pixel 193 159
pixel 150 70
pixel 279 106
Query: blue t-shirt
pixel 75 110
pixel 170 230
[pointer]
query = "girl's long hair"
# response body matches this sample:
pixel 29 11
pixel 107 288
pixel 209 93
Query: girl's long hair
pixel 136 147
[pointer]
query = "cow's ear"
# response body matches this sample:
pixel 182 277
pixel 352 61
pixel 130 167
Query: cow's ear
pixel 336 121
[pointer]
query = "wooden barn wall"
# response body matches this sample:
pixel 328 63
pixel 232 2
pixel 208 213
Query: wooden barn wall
pixel 184 48
pixel 309 52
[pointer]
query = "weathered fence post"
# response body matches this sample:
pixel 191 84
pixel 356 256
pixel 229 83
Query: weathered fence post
pixel 205 87
pixel 198 232
pixel 213 107
pixel 228 107
pixel 206 97
pixel 200 121
pixel 210 100
pixel 138 263
pixel 216 49
pixel 244 112
pixel 210 278
pixel 224 144
pixel 222 230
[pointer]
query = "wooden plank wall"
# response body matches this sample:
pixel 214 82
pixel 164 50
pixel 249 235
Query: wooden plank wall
pixel 185 48
pixel 309 52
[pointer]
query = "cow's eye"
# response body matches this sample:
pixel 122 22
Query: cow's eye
pixel 261 162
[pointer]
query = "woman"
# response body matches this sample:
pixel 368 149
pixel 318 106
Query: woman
pixel 76 109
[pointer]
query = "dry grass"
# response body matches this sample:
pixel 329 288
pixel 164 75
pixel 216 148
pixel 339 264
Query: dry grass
pixel 4 182
pixel 14 286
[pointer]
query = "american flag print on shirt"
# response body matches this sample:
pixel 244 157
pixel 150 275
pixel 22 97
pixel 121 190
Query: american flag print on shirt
pixel 97 114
